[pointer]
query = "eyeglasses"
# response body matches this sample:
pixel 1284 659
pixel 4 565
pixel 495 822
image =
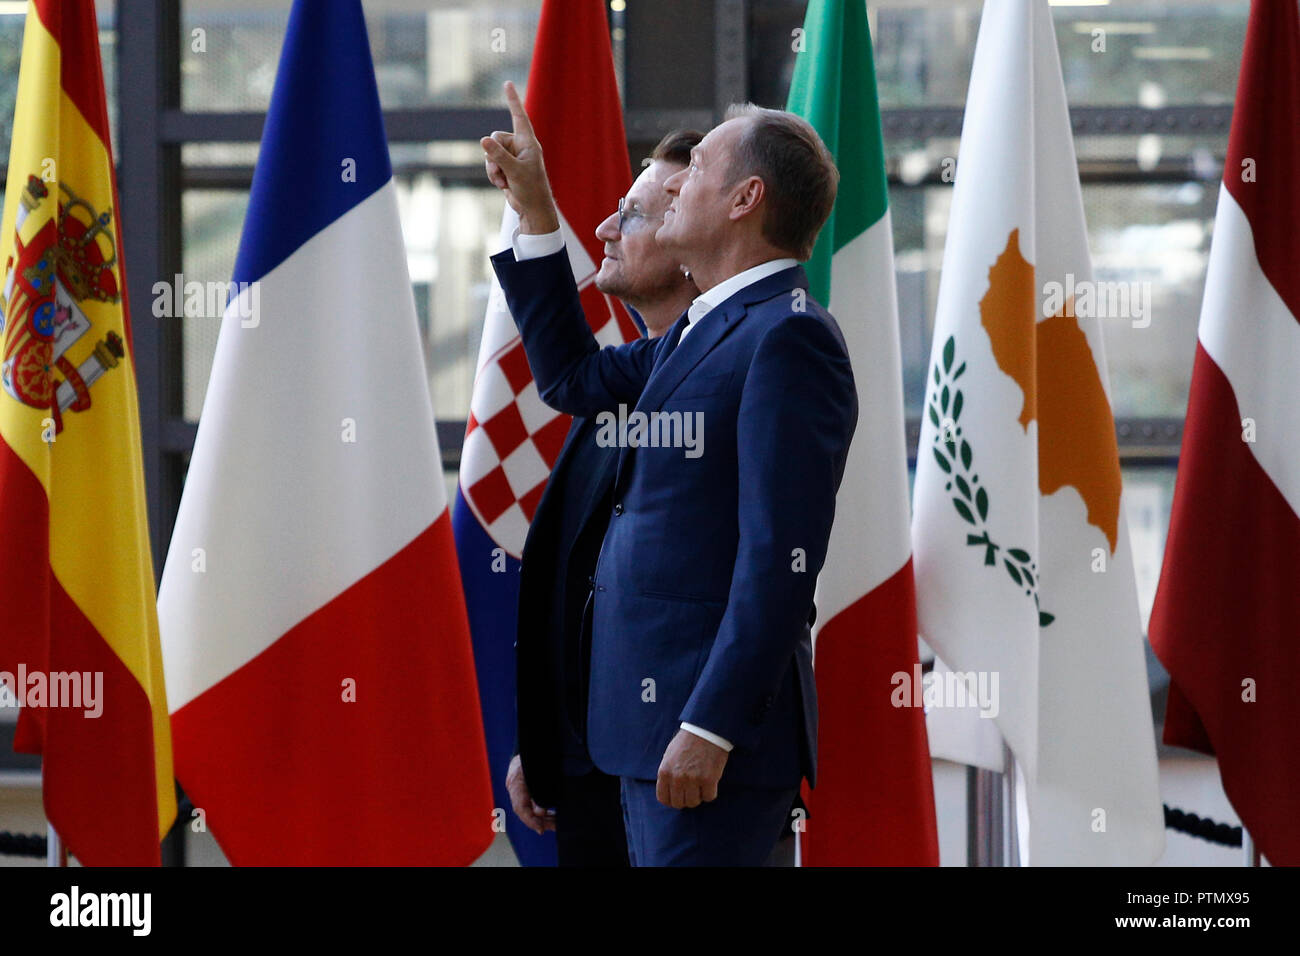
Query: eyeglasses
pixel 632 216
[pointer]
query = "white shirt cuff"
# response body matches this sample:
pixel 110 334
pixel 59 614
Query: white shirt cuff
pixel 712 738
pixel 536 246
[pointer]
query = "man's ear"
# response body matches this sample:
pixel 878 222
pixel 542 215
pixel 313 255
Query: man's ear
pixel 746 197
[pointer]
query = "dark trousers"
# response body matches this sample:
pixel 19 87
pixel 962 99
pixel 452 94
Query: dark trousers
pixel 739 828
pixel 589 822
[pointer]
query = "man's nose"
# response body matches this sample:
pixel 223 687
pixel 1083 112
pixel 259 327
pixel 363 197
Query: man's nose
pixel 671 183
pixel 607 231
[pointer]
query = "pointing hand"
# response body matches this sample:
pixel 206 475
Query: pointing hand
pixel 514 165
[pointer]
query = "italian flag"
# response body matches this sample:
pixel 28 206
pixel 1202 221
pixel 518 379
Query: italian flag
pixel 874 800
pixel 1224 620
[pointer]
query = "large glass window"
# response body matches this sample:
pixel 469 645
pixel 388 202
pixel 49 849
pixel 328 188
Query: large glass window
pixel 426 52
pixel 13 20
pixel 1123 53
pixel 1154 233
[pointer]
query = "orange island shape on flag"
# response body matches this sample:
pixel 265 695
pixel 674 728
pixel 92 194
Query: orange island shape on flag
pixel 1076 443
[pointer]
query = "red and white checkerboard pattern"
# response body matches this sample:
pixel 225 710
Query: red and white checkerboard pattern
pixel 513 439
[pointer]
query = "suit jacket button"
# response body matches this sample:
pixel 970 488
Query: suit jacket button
pixel 618 508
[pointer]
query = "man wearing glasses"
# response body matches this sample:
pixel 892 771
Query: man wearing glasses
pixel 553 768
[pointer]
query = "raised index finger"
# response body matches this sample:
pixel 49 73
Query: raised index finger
pixel 518 114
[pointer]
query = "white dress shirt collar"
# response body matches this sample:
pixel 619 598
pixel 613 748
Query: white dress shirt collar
pixel 707 301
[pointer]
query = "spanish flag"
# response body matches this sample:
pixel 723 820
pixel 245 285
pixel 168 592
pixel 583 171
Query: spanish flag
pixel 79 642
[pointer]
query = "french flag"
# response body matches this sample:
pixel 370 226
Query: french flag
pixel 314 634
pixel 1224 618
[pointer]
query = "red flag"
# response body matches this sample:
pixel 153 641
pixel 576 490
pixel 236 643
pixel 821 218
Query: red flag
pixel 513 439
pixel 593 170
pixel 1224 620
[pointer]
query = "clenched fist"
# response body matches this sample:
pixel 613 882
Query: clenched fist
pixel 690 771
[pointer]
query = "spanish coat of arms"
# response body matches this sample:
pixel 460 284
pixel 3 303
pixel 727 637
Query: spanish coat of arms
pixel 68 261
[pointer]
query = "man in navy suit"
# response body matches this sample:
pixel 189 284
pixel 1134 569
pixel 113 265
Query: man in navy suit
pixel 552 768
pixel 701 695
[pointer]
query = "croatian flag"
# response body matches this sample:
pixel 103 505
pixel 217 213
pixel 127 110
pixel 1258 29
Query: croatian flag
pixel 314 634
pixel 512 439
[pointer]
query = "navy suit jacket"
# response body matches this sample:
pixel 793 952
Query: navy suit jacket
pixel 558 560
pixel 704 586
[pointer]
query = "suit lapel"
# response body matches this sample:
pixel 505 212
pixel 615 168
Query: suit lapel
pixel 570 438
pixel 591 481
pixel 669 344
pixel 677 358
pixel 596 481
pixel 678 361
pixel 543 513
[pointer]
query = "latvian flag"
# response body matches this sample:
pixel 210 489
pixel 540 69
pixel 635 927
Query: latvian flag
pixel 314 633
pixel 512 439
pixel 1224 620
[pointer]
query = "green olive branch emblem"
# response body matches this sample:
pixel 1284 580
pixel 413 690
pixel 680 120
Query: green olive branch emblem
pixel 953 452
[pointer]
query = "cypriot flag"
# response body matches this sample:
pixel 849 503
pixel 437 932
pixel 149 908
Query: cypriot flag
pixel 1024 570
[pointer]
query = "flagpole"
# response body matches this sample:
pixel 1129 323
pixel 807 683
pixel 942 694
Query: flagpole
pixel 984 818
pixel 1250 850
pixel 56 854
pixel 1010 815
